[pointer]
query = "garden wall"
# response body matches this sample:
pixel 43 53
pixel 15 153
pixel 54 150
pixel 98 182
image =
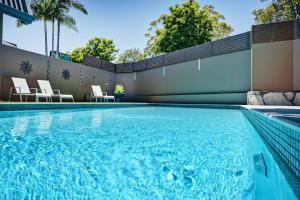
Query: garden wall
pixel 217 79
pixel 296 64
pixel 19 63
pixel 275 57
pixel 1 64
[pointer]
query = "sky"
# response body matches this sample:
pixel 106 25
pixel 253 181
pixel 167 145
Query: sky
pixel 124 21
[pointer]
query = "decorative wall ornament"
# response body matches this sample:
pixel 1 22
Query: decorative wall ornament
pixel 48 69
pixel 66 74
pixel 26 67
pixel 80 76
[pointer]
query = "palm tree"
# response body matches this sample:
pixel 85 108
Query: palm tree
pixel 67 21
pixel 42 11
pixel 55 10
pixel 62 17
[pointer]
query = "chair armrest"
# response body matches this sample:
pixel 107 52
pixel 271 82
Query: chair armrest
pixel 17 89
pixel 44 91
pixel 35 89
pixel 58 91
pixel 104 93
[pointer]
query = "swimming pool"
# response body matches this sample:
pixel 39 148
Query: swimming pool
pixel 136 153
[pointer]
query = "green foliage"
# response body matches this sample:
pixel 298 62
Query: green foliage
pixel 42 10
pixel 97 47
pixel 277 11
pixel 220 28
pixel 62 9
pixel 119 90
pixel 77 55
pixel 130 55
pixel 186 25
pixel 101 48
pixel 55 10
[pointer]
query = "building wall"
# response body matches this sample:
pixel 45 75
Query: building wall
pixel 13 57
pixel 220 79
pixel 272 66
pixel 296 65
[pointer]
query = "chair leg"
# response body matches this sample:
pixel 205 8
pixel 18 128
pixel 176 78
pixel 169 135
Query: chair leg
pixel 36 99
pixel 10 93
pixel 26 98
pixel 21 98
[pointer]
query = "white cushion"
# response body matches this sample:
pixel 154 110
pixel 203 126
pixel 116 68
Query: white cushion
pixel 109 97
pixel 42 95
pixel 66 96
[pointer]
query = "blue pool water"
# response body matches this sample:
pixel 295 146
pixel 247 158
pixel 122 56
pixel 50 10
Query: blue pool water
pixel 135 153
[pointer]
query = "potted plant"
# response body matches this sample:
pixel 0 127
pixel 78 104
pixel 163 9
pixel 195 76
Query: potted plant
pixel 119 92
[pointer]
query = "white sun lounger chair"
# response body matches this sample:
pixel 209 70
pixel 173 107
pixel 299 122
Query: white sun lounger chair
pixel 21 89
pixel 97 93
pixel 47 89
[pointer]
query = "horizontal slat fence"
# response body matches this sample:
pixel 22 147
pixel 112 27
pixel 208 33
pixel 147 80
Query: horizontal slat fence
pixel 227 45
pixel 260 34
pixel 274 32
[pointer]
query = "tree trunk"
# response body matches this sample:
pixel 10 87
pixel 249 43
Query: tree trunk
pixel 53 55
pixel 46 38
pixel 58 36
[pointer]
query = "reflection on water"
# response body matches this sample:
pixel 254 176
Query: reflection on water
pixel 20 126
pixel 65 117
pixel 96 119
pixel 43 123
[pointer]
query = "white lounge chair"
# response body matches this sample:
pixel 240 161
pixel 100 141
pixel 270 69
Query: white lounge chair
pixel 47 89
pixel 21 89
pixel 97 93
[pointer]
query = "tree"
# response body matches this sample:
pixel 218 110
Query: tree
pixel 220 28
pixel 277 11
pixel 55 10
pixel 62 9
pixel 77 55
pixel 97 47
pixel 42 11
pixel 186 25
pixel 130 55
pixel 101 48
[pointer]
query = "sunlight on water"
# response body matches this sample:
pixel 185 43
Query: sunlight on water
pixel 132 153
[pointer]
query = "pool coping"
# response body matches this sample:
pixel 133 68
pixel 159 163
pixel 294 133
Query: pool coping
pixel 10 106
